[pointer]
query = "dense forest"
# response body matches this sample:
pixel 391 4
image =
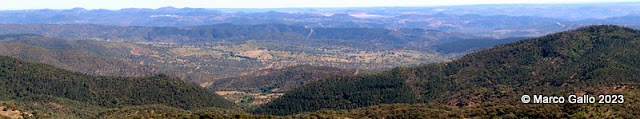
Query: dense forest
pixel 587 60
pixel 342 93
pixel 20 79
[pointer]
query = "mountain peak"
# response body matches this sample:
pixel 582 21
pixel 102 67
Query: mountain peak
pixel 167 8
pixel 78 9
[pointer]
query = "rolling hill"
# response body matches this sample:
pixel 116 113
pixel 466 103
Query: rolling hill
pixel 20 79
pixel 590 60
pixel 415 39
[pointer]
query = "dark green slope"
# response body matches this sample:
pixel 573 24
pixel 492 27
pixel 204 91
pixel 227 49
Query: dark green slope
pixel 582 60
pixel 20 79
pixel 342 93
pixel 589 56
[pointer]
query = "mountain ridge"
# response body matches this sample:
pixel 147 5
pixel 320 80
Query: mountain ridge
pixel 560 63
pixel 407 38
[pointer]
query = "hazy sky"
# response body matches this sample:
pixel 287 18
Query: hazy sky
pixel 119 4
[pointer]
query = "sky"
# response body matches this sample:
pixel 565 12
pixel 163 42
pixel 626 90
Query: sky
pixel 119 4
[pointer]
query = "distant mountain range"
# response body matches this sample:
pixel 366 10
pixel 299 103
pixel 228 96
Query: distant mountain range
pixel 381 39
pixel 500 21
pixel 280 80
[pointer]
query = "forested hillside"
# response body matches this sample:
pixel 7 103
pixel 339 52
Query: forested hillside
pixel 590 60
pixel 19 79
pixel 342 93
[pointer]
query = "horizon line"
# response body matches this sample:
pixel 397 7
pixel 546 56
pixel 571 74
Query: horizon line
pixel 338 7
